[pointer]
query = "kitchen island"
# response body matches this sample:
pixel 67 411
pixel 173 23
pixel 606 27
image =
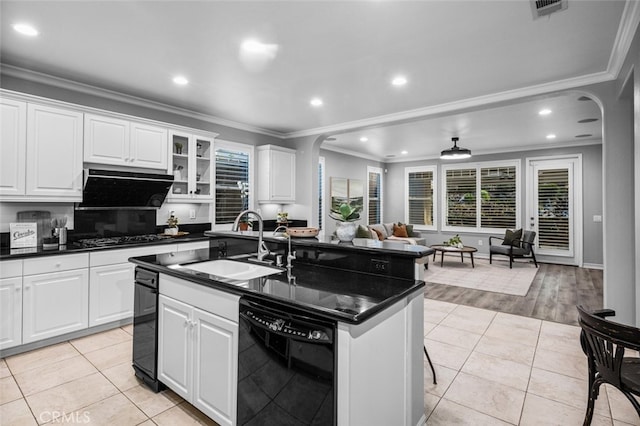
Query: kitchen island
pixel 368 321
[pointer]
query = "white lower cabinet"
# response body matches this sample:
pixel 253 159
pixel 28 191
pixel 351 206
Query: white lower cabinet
pixel 197 357
pixel 10 312
pixel 54 303
pixel 110 293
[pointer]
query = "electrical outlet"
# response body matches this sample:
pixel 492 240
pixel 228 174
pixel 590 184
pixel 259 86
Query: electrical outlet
pixel 379 265
pixel 480 242
pixel 192 214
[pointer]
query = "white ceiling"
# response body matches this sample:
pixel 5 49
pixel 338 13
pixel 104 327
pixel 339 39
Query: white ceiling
pixel 457 55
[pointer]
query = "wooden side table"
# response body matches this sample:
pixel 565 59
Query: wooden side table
pixel 451 249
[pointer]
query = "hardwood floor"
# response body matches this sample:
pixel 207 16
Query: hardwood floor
pixel 553 295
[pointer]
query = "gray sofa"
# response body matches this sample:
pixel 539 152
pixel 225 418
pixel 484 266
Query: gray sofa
pixel 385 232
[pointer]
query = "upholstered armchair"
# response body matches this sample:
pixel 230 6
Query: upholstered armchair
pixel 519 247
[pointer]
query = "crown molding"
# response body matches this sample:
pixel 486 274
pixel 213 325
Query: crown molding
pixel 62 83
pixel 567 144
pixel 626 30
pixel 351 153
pixel 509 95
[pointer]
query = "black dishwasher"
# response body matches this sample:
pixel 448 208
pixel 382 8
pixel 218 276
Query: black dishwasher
pixel 286 366
pixel 145 328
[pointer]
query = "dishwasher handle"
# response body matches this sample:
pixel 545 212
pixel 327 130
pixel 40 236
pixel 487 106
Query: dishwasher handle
pixel 146 278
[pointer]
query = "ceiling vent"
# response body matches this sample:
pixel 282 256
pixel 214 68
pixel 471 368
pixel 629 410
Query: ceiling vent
pixel 542 8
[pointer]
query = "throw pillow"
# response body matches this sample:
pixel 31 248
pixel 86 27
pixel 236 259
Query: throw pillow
pixel 380 230
pixel 511 236
pixel 378 233
pixel 410 232
pixel 400 231
pixel 362 232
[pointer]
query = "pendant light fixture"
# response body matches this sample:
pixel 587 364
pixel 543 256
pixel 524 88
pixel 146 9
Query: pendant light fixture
pixel 455 152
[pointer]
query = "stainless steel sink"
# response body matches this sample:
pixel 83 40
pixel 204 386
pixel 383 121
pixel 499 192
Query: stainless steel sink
pixel 232 269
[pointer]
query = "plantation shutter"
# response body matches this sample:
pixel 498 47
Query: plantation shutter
pixel 374 198
pixel 420 203
pixel 320 193
pixel 553 209
pixel 231 167
pixel 498 197
pixel 461 197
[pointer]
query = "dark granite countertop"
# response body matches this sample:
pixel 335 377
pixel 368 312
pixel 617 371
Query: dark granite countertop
pixel 336 294
pixel 9 254
pixel 358 244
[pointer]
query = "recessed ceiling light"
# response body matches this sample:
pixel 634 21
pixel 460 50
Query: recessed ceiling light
pixel 180 80
pixel 26 29
pixel 256 47
pixel 364 139
pixel 551 136
pixel 404 152
pixel 545 111
pixel 399 80
pixel 316 102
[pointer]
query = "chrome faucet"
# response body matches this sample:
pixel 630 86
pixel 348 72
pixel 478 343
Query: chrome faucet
pixel 290 254
pixel 263 251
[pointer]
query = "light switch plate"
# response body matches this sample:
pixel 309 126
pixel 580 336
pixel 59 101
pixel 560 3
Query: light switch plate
pixel 597 218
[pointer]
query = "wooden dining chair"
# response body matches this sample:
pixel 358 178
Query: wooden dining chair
pixel 604 342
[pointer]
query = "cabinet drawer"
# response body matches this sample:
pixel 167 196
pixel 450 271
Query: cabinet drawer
pixel 208 299
pixel 11 268
pixel 47 264
pixel 112 257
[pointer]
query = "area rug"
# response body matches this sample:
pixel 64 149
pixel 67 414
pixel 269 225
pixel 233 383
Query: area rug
pixel 497 277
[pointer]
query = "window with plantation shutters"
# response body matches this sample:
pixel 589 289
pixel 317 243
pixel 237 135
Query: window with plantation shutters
pixel 461 198
pixel 232 183
pixel 374 195
pixel 421 196
pixel 320 192
pixel 553 209
pixel 498 197
pixel 481 197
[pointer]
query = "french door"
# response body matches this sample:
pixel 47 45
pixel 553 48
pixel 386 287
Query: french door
pixel 554 208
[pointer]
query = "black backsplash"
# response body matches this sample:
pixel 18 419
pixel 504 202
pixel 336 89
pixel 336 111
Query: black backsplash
pixel 112 223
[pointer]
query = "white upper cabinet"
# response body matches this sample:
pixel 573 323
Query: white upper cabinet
pixel 41 153
pixel 114 141
pixel 54 153
pixel 192 168
pixel 277 174
pixel 13 139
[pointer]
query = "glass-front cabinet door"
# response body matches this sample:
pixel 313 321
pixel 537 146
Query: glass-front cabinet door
pixel 191 167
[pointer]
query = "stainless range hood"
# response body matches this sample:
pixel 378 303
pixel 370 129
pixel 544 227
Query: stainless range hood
pixel 112 189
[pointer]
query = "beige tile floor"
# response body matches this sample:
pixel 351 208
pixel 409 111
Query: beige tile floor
pixel 501 369
pixel 493 369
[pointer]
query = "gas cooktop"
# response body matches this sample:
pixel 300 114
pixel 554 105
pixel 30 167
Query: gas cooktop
pixel 119 240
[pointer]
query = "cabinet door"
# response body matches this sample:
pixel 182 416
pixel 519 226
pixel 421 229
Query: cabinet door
pixel 10 312
pixel 54 304
pixel 201 171
pixel 180 165
pixel 149 146
pixel 13 139
pixel 111 291
pixel 283 166
pixel 54 153
pixel 215 366
pixel 106 140
pixel 175 345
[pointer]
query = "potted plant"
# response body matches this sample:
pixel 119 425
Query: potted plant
pixel 455 241
pixel 173 224
pixel 178 146
pixel 346 215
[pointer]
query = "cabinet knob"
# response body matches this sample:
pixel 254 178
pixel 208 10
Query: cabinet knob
pixel 58 264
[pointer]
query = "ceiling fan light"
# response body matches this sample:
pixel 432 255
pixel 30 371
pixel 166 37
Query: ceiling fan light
pixel 455 152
